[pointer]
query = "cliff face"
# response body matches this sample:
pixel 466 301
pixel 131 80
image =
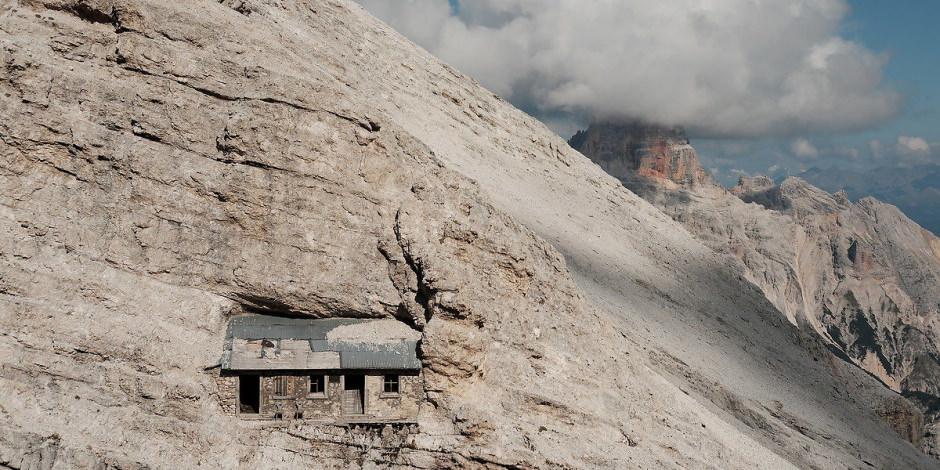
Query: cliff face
pixel 861 275
pixel 877 294
pixel 915 190
pixel 652 153
pixel 164 169
pixel 169 164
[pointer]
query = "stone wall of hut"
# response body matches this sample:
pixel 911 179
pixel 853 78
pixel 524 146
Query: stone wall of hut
pixel 326 406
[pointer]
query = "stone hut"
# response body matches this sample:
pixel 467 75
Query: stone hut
pixel 339 370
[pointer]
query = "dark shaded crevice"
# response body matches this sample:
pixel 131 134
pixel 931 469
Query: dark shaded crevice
pixel 424 293
pixel 402 311
pixel 423 296
pixel 931 403
pixel 148 136
pixel 834 332
pixel 137 130
pixel 845 357
pixel 854 349
pixel 853 251
pixel 240 6
pixel 490 462
pixel 867 340
pixel 266 306
pixel 68 172
pixel 84 11
pixel 253 164
pixel 91 14
pixel 367 124
pixel 848 360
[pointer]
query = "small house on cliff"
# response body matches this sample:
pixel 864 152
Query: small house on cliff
pixel 342 370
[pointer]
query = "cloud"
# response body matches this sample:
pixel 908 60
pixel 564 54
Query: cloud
pixel 728 68
pixel 803 148
pixel 912 145
pixel 850 153
pixel 876 148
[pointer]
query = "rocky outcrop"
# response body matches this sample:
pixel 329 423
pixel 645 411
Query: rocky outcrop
pixel 861 275
pixel 169 164
pixel 914 188
pixel 753 185
pixel 652 153
pixel 163 170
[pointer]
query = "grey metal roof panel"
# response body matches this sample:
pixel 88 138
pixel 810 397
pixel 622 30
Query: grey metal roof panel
pixel 401 355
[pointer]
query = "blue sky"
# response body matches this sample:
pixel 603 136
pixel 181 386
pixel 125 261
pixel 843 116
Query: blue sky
pixel 845 93
pixel 771 87
pixel 906 30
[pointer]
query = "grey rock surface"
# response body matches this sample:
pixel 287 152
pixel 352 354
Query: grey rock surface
pixel 168 164
pixel 861 275
pixel 914 189
pixel 638 152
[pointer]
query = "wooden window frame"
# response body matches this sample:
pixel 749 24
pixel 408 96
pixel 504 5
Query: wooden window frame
pixel 386 382
pixel 281 379
pixel 325 382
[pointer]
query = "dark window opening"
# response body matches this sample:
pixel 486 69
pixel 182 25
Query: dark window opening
pixel 280 386
pixel 249 389
pixel 390 384
pixel 317 385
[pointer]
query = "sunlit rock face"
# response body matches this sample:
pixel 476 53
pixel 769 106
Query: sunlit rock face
pixel 641 150
pixel 860 274
pixel 165 165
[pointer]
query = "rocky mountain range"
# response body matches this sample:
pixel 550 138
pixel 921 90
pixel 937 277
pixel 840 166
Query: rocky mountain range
pixel 913 189
pixel 861 275
pixel 167 165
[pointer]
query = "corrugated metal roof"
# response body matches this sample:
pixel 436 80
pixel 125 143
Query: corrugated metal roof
pixel 268 327
pixel 353 354
pixel 390 355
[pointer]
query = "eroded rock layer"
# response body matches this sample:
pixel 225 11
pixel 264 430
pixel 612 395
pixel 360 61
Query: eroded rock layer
pixel 169 164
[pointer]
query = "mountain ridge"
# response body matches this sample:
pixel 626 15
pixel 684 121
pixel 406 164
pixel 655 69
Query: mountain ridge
pixel 910 188
pixel 860 274
pixel 174 164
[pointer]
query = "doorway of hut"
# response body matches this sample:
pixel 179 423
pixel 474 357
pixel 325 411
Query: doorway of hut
pixel 249 394
pixel 354 394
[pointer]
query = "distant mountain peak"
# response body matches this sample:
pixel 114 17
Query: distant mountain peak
pixel 861 275
pixel 752 184
pixel 914 190
pixel 638 150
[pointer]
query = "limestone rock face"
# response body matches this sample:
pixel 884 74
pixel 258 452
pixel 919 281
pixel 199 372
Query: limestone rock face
pixel 166 165
pixel 861 275
pixel 752 184
pixel 650 152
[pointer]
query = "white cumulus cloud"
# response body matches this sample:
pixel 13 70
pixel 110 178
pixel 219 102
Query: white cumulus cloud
pixel 803 148
pixel 912 145
pixel 718 67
